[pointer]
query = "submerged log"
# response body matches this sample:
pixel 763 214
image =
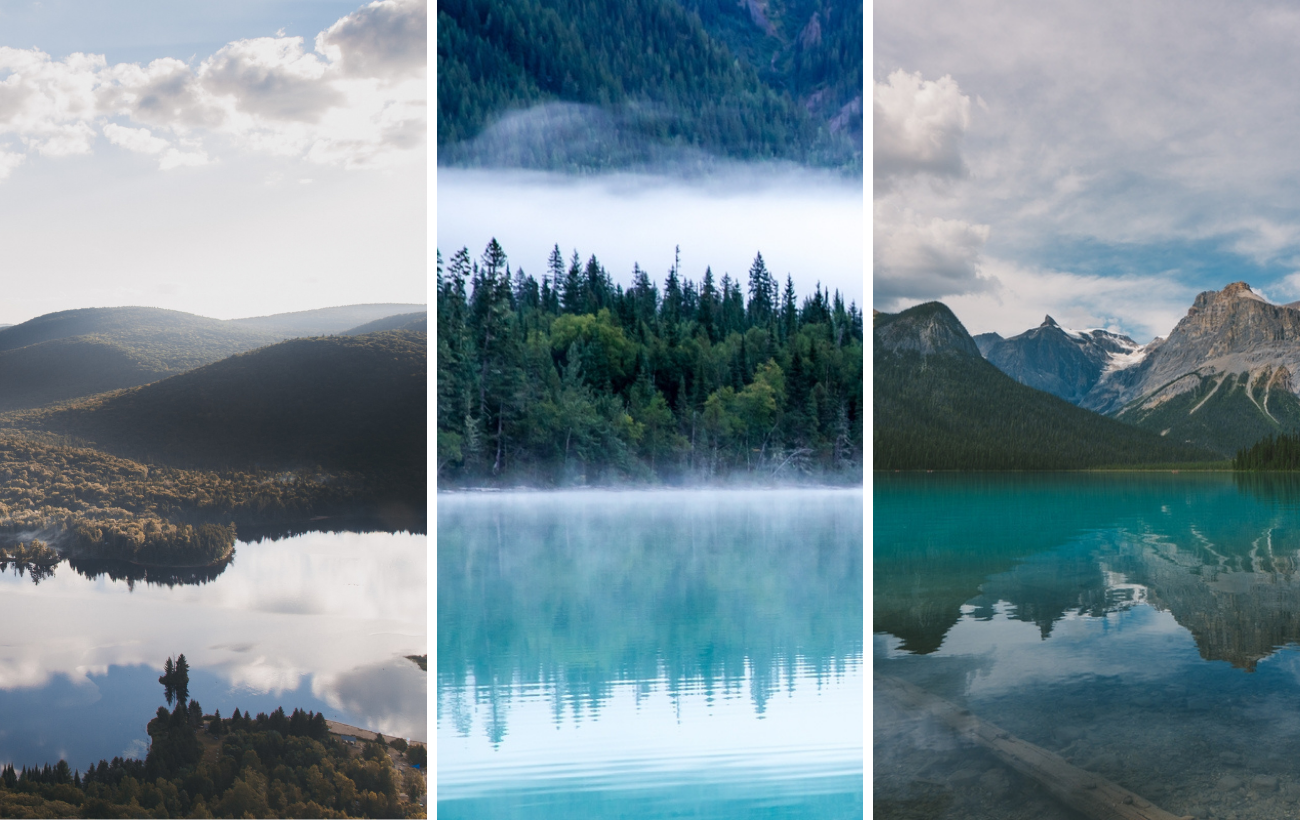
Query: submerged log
pixel 1089 794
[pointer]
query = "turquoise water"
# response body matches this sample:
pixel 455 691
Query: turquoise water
pixel 650 654
pixel 1143 627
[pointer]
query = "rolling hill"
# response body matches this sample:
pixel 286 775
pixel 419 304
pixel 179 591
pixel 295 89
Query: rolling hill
pixel 939 405
pixel 75 353
pixel 402 321
pixel 323 321
pixel 354 403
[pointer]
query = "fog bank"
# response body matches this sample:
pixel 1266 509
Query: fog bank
pixel 806 223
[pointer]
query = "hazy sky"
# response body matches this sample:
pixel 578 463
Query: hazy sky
pixel 228 159
pixel 806 224
pixel 1099 161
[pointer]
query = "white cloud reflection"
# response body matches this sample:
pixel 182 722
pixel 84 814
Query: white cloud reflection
pixel 332 608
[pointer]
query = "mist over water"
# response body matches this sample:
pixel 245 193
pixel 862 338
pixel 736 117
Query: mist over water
pixel 806 223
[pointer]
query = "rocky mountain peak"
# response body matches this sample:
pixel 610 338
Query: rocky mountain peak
pixel 1048 321
pixel 929 329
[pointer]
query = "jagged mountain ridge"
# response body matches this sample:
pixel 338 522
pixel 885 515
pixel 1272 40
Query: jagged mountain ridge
pixel 1065 363
pixel 937 404
pixel 1222 379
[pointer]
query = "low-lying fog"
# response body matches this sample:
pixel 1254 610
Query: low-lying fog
pixel 808 224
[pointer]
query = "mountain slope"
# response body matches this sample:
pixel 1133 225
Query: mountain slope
pixel 613 84
pixel 401 321
pixel 76 353
pixel 939 405
pixel 342 402
pixel 1224 412
pixel 323 321
pixel 1065 363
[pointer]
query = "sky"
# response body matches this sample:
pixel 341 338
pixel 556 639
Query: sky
pixel 806 224
pixel 228 159
pixel 1102 162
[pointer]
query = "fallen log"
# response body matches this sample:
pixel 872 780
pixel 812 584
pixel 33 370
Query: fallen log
pixel 1087 793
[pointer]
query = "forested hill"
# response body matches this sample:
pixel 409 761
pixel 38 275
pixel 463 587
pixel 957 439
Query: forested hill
pixel 325 321
pixel 939 405
pixel 574 380
pixel 616 84
pixel 353 403
pixel 76 353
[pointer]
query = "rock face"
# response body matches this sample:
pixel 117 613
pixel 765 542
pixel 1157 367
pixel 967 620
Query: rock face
pixel 1228 331
pixel 1223 379
pixel 1065 363
pixel 929 329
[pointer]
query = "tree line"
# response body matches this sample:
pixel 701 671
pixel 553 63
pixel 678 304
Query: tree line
pixel 574 379
pixel 274 765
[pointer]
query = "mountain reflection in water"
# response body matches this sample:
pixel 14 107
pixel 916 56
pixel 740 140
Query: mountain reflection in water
pixel 1219 552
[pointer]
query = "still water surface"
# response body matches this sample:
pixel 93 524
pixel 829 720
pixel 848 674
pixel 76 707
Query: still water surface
pixel 650 654
pixel 1143 627
pixel 318 621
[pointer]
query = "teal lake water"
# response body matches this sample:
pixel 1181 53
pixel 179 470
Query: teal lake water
pixel 650 654
pixel 1145 628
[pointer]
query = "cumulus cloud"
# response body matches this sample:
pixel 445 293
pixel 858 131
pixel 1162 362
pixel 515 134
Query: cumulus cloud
pixel 921 259
pixel 1141 306
pixel 358 100
pixel 918 126
pixel 384 39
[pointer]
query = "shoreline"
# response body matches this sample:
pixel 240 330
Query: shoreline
pixel 339 728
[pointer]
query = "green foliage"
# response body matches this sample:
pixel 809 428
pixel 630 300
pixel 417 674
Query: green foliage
pixel 1281 452
pixel 273 765
pixel 651 69
pixel 576 380
pixel 958 412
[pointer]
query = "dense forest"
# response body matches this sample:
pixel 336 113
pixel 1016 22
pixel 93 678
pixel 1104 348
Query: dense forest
pixel 97 506
pixel 1281 452
pixel 575 379
pixel 656 76
pixel 202 765
pixel 951 409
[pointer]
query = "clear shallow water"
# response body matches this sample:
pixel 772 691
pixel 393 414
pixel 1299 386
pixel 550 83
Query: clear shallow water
pixel 650 654
pixel 1144 627
pixel 318 621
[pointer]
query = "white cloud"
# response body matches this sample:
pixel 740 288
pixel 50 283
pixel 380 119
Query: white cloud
pixel 918 126
pixel 359 101
pixel 922 259
pixel 384 39
pixel 1141 306
pixel 139 140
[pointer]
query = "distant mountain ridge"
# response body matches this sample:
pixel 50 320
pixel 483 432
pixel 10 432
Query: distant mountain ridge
pixel 1065 363
pixel 938 404
pixel 74 353
pixel 325 321
pixel 1222 379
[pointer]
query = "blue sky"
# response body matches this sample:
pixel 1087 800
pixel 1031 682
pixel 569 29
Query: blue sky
pixel 1099 161
pixel 228 159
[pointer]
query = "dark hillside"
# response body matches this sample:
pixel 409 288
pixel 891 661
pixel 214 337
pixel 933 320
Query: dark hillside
pixel 402 321
pixel 646 73
pixel 76 353
pixel 63 369
pixel 322 321
pixel 345 402
pixel 939 405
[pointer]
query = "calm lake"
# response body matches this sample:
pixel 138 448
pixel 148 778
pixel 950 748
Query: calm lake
pixel 318 621
pixel 650 654
pixel 1143 627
